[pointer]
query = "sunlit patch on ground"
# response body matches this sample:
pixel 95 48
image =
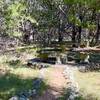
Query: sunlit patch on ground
pixel 89 83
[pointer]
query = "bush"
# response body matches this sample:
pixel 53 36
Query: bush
pixel 14 62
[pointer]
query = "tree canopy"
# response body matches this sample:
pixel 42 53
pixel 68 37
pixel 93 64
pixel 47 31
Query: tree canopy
pixel 51 20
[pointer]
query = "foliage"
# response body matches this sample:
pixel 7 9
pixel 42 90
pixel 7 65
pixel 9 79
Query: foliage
pixel 51 18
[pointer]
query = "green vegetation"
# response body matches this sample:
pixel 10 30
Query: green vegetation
pixel 16 77
pixel 48 28
pixel 11 85
pixel 46 21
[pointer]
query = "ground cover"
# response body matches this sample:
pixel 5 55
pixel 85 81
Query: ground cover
pixel 89 84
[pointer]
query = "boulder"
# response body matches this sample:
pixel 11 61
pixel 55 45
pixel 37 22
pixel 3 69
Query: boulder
pixel 14 98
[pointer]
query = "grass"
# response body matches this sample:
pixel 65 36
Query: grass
pixel 11 84
pixel 18 77
pixel 89 84
pixel 17 80
pixel 15 77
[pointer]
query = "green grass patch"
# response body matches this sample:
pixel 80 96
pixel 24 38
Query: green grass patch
pixel 11 84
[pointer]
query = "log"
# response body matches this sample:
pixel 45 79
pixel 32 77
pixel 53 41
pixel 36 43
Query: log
pixel 89 49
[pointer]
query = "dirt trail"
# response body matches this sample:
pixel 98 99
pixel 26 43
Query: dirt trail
pixel 56 84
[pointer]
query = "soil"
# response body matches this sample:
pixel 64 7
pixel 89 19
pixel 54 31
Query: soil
pixel 56 84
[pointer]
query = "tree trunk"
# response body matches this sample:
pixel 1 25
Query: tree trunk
pixel 97 33
pixel 60 38
pixel 74 36
pixel 80 29
pixel 79 35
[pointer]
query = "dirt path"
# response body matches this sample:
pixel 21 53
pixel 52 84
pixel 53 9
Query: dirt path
pixel 56 84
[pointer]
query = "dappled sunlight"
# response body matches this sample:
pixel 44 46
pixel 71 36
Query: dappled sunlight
pixel 26 72
pixel 11 84
pixel 22 71
pixel 49 49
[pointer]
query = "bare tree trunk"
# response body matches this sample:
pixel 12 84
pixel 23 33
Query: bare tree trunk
pixel 60 38
pixel 97 33
pixel 74 36
pixel 80 29
pixel 79 35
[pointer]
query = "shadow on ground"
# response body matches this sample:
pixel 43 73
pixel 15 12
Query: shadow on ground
pixel 52 93
pixel 11 84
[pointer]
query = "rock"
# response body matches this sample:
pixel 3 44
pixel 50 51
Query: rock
pixel 82 69
pixel 58 60
pixel 14 98
pixel 71 97
pixel 33 92
pixel 23 98
pixel 65 76
pixel 30 92
pixel 71 78
pixel 64 73
pixel 71 84
pixel 36 83
pixel 24 94
pixel 40 66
